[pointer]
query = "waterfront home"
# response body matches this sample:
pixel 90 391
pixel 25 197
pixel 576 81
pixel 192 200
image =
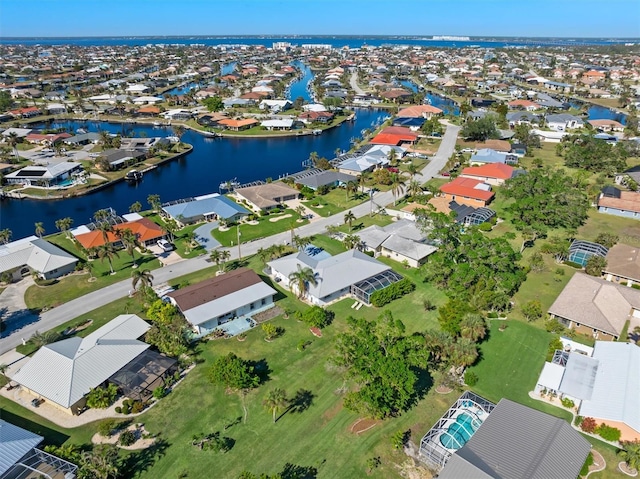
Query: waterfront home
pixel 522 118
pixel 34 255
pixel 83 139
pixel 314 179
pixel 351 273
pixel 28 112
pixel 275 106
pixel 563 122
pixel 397 95
pixel 212 207
pixel 613 201
pixel 149 111
pixel 137 89
pixel 413 123
pixel 116 159
pixel 267 196
pixel 468 191
pixel 18 132
pixel 21 457
pixel 46 139
pixel 237 125
pixel 64 372
pixel 147 233
pixel 177 114
pixel 44 176
pixel 492 173
pixel 419 111
pixel 526 105
pixel 313 116
pixel 149 100
pixel 233 296
pixel 56 109
pixel 596 307
pixel 368 159
pixel 277 124
pixel 606 125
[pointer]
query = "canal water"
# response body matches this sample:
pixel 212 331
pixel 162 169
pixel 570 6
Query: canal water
pixel 299 88
pixel 213 161
pixel 447 105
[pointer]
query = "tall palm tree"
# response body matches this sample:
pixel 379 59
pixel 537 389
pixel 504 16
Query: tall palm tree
pixel 135 207
pixel 106 228
pixel 13 140
pixel 189 237
pixel 301 242
pixel 129 241
pixel 392 156
pixel 275 400
pixel 352 241
pixel 108 252
pixel 39 229
pixel 397 186
pixel 64 224
pixel 350 187
pixel 142 276
pixel 302 278
pixel 362 179
pixel 216 256
pixel 348 219
pixel 178 131
pixel 473 327
pixel 413 170
pixel 225 256
pixel 414 188
pixel 464 352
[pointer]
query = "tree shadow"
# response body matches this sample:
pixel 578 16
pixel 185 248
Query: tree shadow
pixel 141 461
pixel 293 471
pixel 302 401
pixel 358 227
pixel 261 367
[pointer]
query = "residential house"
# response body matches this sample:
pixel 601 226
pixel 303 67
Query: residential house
pixel 613 201
pixel 351 273
pixel 314 179
pixel 212 207
pixel 419 111
pixel 580 251
pixel 213 302
pixel 526 105
pixel 563 122
pixel 238 125
pixel 368 158
pixel 64 372
pixel 28 112
pixel 606 125
pixel 120 158
pixel 46 176
pixel 312 116
pixel 501 146
pixel 623 264
pixel 21 457
pixel 32 254
pixel 464 214
pixel 275 105
pixel 494 174
pixel 277 124
pixel 395 136
pixel 558 86
pixel 522 118
pixel 267 196
pixel 486 156
pixel 596 307
pixel 147 233
pixel 468 191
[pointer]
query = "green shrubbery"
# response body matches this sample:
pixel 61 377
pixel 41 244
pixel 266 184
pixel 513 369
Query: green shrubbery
pixel 127 438
pixel 470 378
pixel 608 433
pixel 391 292
pixel 568 403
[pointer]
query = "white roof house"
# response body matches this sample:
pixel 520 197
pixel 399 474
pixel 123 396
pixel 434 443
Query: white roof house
pixel 15 443
pixel 335 274
pixel 38 255
pixel 283 124
pixel 46 175
pixel 64 372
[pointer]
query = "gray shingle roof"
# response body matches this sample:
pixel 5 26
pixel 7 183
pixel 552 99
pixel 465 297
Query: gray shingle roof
pixel 517 442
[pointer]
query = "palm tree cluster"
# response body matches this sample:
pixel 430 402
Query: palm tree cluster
pixel 302 279
pixel 276 251
pixel 220 256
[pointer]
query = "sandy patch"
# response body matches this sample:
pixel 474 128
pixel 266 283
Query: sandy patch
pixel 252 223
pixel 273 220
pixel 363 425
pixel 329 414
pixel 138 431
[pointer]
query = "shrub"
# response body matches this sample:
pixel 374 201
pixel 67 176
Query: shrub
pixel 317 317
pixel 608 433
pixel 568 403
pixel 470 378
pixel 302 344
pixel 588 425
pixel 391 292
pixel 138 406
pixel 159 392
pixel 587 463
pixel 399 439
pixel 554 326
pixel 578 420
pixel 118 409
pixel 573 265
pixel 485 226
pixel 107 427
pixel 127 438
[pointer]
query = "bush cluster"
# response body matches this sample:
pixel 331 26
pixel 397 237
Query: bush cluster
pixel 130 406
pixel 127 438
pixel 391 292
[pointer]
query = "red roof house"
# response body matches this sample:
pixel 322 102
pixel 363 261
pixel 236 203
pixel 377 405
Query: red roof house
pixel 146 231
pixel 394 136
pixel 468 191
pixel 491 173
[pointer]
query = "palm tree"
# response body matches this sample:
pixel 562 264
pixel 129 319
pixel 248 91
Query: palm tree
pixel 135 207
pixel 225 256
pixel 216 256
pixel 5 235
pixel 89 266
pixel 300 210
pixel 13 141
pixel 129 241
pixel 348 219
pixel 106 228
pixel 392 156
pixel 631 454
pixel 105 139
pixel 301 242
pixel 302 278
pixel 473 327
pixel 108 252
pixel 275 400
pixel 313 158
pixel 39 229
pixel 3 369
pixel 189 237
pixel 464 352
pixel 397 186
pixel 414 189
pixel 350 187
pixel 101 462
pixel 40 339
pixel 178 131
pixel 363 178
pixel 412 169
pixel 352 241
pixel 64 224
pixel 142 276
pixel 154 202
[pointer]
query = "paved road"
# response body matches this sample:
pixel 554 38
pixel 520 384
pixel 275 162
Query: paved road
pixel 354 84
pixel 91 301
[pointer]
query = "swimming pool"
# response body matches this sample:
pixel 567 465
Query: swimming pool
pixel 458 433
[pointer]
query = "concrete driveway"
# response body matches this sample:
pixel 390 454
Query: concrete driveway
pixel 13 309
pixel 204 238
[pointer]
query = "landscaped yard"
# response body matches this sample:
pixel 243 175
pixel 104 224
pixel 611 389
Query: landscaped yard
pixel 335 201
pixel 267 226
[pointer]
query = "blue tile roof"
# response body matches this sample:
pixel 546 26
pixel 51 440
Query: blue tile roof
pixel 218 204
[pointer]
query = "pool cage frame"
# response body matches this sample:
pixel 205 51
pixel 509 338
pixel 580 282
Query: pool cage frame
pixel 363 290
pixel 431 450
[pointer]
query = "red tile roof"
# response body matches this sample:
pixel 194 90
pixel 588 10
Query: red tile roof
pixel 144 229
pixel 418 111
pixel 490 170
pixel 467 187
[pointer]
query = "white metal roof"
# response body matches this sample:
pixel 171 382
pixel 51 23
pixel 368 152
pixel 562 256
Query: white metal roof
pixel 551 376
pixel 38 254
pixel 64 371
pixel 616 390
pixel 15 442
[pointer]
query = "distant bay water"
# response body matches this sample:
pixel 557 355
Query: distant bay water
pixel 334 41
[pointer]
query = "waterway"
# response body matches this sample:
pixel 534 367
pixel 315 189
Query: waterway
pixel 299 88
pixel 183 89
pixel 447 105
pixel 212 161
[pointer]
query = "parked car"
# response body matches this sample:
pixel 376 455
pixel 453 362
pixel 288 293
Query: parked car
pixel 446 173
pixel 165 245
pixel 467 150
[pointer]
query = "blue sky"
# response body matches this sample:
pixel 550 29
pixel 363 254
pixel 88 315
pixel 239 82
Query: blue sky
pixel 560 18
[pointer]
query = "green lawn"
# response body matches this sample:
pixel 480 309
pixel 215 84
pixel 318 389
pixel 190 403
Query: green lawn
pixel 76 285
pixel 335 201
pixel 265 227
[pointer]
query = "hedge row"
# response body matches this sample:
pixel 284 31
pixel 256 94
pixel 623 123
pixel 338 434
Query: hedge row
pixel 391 292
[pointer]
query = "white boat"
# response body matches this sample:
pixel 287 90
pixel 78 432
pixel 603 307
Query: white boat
pixel 133 175
pixel 316 132
pixel 157 123
pixel 229 185
pixel 81 131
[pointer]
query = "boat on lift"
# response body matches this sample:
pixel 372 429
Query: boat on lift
pixel 229 185
pixel 133 175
